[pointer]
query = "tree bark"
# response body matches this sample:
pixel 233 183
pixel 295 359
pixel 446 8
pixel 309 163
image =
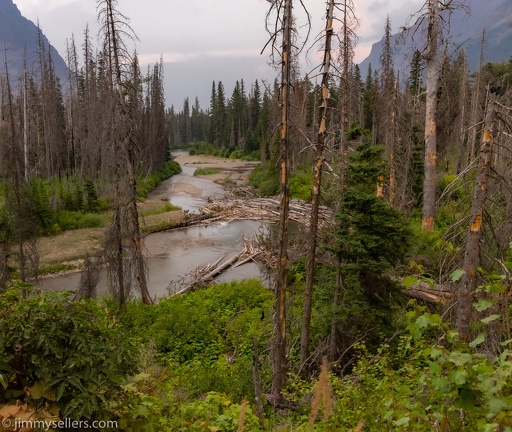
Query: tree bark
pixel 472 251
pixel 317 184
pixel 279 354
pixel 429 181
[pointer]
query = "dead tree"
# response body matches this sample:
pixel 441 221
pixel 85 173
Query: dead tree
pixel 279 367
pixel 114 27
pixel 317 184
pixel 471 255
pixel 430 167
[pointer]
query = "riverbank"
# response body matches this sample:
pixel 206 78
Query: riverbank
pixel 66 252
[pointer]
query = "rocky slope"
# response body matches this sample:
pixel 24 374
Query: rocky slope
pixel 466 28
pixel 19 41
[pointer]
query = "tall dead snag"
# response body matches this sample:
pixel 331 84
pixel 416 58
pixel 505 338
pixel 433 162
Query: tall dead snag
pixel 124 146
pixel 317 183
pixel 471 255
pixel 432 62
pixel 279 349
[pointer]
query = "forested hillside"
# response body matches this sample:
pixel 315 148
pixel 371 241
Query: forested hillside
pixel 387 310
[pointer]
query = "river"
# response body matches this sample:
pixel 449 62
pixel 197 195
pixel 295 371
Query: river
pixel 173 254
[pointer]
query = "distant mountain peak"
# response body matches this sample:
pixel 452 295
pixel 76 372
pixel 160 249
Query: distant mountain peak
pixel 19 41
pixel 466 29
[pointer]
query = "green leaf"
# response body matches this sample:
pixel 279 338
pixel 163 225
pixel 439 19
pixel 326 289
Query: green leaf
pixel 456 275
pixel 483 304
pixel 441 384
pixel 491 318
pixel 410 281
pixel 497 404
pixel 459 376
pixel 478 340
pixel 402 421
pixel 435 368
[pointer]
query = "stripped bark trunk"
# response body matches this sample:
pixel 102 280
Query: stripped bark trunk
pixel 392 147
pixel 126 144
pixel 317 184
pixel 472 251
pixel 429 182
pixel 279 348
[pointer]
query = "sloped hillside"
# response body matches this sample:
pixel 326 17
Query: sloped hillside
pixel 466 29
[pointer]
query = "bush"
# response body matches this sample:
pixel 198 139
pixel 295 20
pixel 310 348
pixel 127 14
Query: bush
pixel 195 334
pixel 237 154
pixel 265 179
pixel 58 351
pixel 301 185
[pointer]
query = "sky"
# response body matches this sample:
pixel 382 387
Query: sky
pixel 201 41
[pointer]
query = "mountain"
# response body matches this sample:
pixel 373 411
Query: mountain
pixel 18 36
pixel 466 29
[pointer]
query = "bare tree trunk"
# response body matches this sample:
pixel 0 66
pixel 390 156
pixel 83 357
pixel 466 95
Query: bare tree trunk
pixel 317 183
pixel 429 181
pixel 462 104
pixel 279 372
pixel 475 103
pixel 471 254
pixel 19 220
pixel 392 147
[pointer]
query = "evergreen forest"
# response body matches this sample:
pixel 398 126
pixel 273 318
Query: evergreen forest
pixel 390 311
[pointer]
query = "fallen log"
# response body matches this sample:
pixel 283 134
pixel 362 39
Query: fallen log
pixel 433 294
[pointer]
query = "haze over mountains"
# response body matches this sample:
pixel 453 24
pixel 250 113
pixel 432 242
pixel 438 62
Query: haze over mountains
pixel 19 40
pixel 466 29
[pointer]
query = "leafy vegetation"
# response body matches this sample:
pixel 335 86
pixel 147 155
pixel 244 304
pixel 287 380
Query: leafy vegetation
pixel 187 365
pixel 73 355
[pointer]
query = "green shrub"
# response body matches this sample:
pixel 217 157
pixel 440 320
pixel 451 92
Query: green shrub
pixel 145 184
pixel 195 334
pixel 70 220
pixel 301 184
pixel 237 154
pixel 59 351
pixel 265 180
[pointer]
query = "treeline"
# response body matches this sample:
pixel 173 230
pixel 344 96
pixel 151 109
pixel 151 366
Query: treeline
pixel 239 122
pixel 51 129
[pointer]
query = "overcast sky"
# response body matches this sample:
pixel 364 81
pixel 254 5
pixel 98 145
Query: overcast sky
pixel 202 41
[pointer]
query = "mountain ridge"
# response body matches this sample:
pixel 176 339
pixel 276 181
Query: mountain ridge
pixel 466 30
pixel 19 39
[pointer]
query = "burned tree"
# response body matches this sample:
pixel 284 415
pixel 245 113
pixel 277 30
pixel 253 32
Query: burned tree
pixel 123 146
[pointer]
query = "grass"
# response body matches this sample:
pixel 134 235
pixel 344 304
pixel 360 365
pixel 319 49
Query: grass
pixel 154 207
pixel 206 171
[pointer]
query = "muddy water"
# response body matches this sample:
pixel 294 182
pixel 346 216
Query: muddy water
pixel 186 249
pixel 173 254
pixel 204 190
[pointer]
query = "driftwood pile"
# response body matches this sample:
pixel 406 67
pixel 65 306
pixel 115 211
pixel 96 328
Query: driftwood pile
pixel 202 276
pixel 266 209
